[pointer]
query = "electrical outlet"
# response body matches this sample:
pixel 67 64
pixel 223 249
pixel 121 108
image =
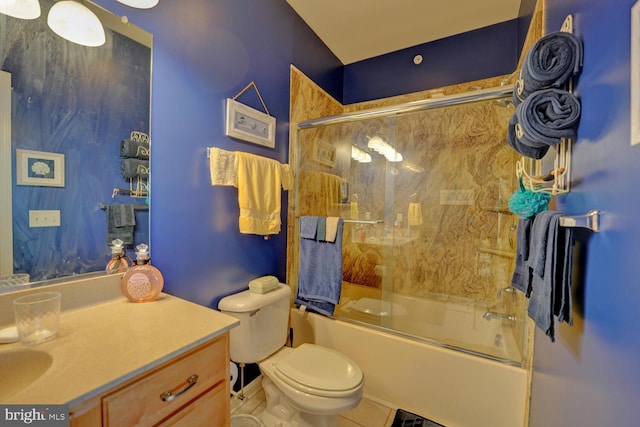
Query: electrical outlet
pixel 44 218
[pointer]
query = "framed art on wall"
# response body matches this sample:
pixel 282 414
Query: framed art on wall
pixel 39 168
pixel 248 124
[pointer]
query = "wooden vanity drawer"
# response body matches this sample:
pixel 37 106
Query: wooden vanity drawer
pixel 140 403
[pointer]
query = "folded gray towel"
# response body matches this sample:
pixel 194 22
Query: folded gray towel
pixel 134 149
pixel 121 222
pixel 542 120
pixel 550 62
pixel 132 168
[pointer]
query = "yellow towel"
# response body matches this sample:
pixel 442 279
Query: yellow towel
pixel 415 214
pixel 259 196
pixel 223 166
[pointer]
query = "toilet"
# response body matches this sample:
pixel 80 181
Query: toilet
pixel 306 386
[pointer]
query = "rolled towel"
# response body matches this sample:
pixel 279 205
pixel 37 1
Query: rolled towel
pixel 134 149
pixel 542 120
pixel 550 62
pixel 132 168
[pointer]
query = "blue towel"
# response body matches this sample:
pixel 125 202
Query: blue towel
pixel 132 168
pixel 550 62
pixel 319 271
pixel 521 278
pixel 134 149
pixel 550 261
pixel 543 119
pixel 308 227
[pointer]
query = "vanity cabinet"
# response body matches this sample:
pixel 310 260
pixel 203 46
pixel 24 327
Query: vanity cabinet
pixel 190 390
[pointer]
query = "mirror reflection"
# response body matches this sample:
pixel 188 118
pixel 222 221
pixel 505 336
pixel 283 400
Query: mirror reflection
pixel 71 108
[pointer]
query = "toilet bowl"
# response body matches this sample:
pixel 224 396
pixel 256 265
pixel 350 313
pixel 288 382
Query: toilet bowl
pixel 315 379
pixel 306 386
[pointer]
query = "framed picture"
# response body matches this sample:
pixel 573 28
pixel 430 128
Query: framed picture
pixel 39 168
pixel 324 153
pixel 250 125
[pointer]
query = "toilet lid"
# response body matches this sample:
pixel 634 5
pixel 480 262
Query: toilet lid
pixel 320 368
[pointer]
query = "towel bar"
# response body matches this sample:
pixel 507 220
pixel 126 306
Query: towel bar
pixel 590 220
pixel 364 221
pixel 103 206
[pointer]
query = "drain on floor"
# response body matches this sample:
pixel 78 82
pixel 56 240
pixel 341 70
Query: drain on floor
pixel 407 419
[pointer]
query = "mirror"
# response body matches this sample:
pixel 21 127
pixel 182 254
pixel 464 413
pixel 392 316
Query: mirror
pixel 71 106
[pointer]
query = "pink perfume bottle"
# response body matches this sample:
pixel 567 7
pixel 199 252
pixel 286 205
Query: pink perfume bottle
pixel 142 282
pixel 118 263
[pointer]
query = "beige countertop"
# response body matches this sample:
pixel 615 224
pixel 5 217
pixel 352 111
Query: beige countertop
pixel 103 344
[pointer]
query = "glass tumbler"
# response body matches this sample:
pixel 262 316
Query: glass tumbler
pixel 37 316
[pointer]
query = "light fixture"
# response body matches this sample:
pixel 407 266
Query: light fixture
pixel 75 22
pixel 23 9
pixel 140 4
pixel 381 147
pixel 360 155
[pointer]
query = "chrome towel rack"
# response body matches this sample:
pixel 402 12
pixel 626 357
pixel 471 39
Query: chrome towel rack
pixel 590 220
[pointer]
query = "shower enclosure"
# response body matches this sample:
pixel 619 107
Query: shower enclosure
pixel 428 244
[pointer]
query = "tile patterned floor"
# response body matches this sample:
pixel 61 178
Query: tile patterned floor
pixel 368 414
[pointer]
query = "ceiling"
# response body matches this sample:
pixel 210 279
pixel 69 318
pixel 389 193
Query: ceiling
pixel 360 29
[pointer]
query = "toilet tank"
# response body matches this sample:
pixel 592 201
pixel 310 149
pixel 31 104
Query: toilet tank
pixel 264 320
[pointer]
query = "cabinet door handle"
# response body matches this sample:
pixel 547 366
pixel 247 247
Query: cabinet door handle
pixel 168 396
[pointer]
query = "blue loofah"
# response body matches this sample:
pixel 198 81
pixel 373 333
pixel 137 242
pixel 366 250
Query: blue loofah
pixel 526 203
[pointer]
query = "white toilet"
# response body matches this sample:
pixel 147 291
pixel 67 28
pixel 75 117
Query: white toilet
pixel 306 386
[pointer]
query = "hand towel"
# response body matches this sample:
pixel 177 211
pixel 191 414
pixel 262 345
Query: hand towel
pixel 320 272
pixel 321 231
pixel 521 278
pixel 332 228
pixel 308 227
pixel 543 119
pixel 551 62
pixel 414 216
pixel 223 167
pixel 121 222
pixel 132 168
pixel 259 194
pixel 550 262
pixel 134 149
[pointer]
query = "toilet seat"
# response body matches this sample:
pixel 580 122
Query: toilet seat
pixel 319 371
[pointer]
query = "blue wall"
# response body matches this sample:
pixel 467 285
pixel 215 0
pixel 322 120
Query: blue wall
pixel 590 375
pixel 204 53
pixel 474 55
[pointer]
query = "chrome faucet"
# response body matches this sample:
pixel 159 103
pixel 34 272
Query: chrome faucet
pixel 488 315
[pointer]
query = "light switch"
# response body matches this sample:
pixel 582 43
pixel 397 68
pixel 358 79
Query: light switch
pixel 41 218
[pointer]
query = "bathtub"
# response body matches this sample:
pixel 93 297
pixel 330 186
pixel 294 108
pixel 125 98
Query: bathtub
pixel 453 388
pixel 451 322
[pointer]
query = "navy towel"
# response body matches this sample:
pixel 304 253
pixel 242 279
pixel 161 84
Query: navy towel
pixel 132 168
pixel 521 278
pixel 121 221
pixel 550 62
pixel 550 257
pixel 542 120
pixel 320 269
pixel 134 149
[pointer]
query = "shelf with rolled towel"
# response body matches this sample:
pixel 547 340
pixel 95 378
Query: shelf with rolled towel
pixel 138 192
pixel 103 206
pixel 590 220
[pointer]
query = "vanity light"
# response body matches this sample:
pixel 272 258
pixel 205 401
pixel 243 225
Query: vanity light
pixel 76 23
pixel 23 9
pixel 140 4
pixel 381 147
pixel 360 155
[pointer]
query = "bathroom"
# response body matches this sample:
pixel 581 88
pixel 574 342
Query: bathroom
pixel 195 240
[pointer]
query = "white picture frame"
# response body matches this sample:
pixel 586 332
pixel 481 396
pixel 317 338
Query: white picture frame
pixel 39 168
pixel 635 75
pixel 250 125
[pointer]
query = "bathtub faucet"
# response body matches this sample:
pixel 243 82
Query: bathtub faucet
pixel 488 315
